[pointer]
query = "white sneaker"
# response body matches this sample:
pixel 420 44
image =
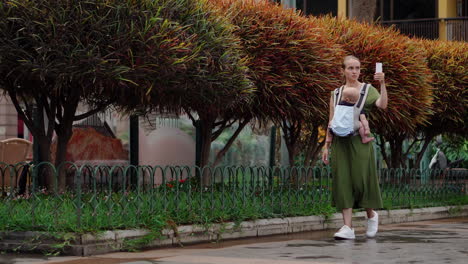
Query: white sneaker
pixel 372 225
pixel 345 233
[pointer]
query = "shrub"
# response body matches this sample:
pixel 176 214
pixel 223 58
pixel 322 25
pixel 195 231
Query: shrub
pixel 448 61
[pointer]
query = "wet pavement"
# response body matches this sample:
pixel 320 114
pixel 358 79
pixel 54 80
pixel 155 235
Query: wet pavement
pixel 438 241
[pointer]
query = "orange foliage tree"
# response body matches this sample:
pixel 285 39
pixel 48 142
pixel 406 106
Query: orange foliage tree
pixel 408 79
pixel 293 63
pixel 448 61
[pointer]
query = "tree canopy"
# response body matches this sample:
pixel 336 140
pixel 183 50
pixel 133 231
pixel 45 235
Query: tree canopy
pixel 211 72
pixel 294 64
pixel 448 61
pixel 56 54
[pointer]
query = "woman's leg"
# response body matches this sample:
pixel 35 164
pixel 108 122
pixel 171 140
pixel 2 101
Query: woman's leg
pixel 347 216
pixel 370 212
pixel 372 223
pixel 346 232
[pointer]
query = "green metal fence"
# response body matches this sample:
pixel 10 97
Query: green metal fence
pixel 109 197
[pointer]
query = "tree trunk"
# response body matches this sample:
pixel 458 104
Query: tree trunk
pixel 428 138
pixel 312 146
pixel 60 156
pixel 380 140
pixel 206 129
pixel 45 176
pixel 398 157
pixel 313 152
pixel 33 117
pixel 291 153
pixel 363 10
pixel 291 131
pixel 64 132
pixel 396 147
pixel 225 149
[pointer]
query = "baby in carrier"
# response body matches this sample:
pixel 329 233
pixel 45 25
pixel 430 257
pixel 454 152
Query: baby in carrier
pixel 349 99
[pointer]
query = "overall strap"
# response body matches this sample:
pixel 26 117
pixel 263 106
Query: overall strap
pixel 338 92
pixel 359 106
pixel 362 97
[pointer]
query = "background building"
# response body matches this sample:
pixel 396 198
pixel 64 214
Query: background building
pixel 432 19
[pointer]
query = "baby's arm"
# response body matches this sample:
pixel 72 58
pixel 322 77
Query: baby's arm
pixel 365 123
pixel 329 136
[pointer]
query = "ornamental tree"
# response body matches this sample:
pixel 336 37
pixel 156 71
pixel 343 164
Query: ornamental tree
pixel 293 63
pixel 213 81
pixel 448 61
pixel 58 53
pixel 408 78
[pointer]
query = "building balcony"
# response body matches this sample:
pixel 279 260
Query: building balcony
pixel 433 28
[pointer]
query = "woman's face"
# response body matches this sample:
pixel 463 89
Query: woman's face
pixel 352 69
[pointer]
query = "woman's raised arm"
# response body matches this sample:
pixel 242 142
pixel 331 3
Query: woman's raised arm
pixel 382 102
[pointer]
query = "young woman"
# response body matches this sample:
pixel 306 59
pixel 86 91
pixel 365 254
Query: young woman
pixel 354 172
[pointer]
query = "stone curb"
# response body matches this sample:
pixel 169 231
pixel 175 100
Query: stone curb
pixel 111 241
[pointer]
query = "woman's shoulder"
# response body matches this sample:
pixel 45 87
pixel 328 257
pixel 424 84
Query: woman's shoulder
pixel 372 94
pixel 371 88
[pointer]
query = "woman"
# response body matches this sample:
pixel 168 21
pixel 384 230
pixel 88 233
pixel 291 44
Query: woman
pixel 354 171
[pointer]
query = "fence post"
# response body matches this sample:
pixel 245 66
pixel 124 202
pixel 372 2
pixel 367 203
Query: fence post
pixel 272 152
pixel 134 147
pixel 198 149
pixel 37 119
pixel 78 197
pixel 272 146
pixel 198 142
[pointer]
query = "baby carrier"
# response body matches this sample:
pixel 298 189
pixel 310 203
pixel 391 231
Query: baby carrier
pixel 345 120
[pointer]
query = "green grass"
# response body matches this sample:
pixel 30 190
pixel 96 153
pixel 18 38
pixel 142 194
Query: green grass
pixel 155 208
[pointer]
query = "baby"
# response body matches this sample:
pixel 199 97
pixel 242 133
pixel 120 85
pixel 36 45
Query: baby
pixel 350 97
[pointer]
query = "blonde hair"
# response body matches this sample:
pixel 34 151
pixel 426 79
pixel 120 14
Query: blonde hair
pixel 349 57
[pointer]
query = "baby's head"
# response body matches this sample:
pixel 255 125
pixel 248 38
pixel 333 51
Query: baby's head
pixel 350 96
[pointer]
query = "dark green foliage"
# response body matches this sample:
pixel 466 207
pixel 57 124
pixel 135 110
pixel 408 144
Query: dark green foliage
pixel 136 55
pixel 204 67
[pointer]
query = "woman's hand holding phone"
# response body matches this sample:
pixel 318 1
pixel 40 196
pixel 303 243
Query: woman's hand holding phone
pixel 379 75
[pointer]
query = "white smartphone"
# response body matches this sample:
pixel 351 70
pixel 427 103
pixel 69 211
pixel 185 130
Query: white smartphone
pixel 378 67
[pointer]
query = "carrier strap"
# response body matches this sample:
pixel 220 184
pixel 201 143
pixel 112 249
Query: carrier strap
pixel 338 92
pixel 362 97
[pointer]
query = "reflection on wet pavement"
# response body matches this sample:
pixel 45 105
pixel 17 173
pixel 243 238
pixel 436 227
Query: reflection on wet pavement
pixel 422 242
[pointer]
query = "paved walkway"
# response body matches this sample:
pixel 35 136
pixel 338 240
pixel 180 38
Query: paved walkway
pixel 439 241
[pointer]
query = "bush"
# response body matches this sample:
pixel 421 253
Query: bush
pixel 293 62
pixel 448 61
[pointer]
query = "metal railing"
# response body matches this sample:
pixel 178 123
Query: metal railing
pixel 455 28
pixel 104 197
pixel 422 28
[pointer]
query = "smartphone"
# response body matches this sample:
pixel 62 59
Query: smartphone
pixel 378 67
